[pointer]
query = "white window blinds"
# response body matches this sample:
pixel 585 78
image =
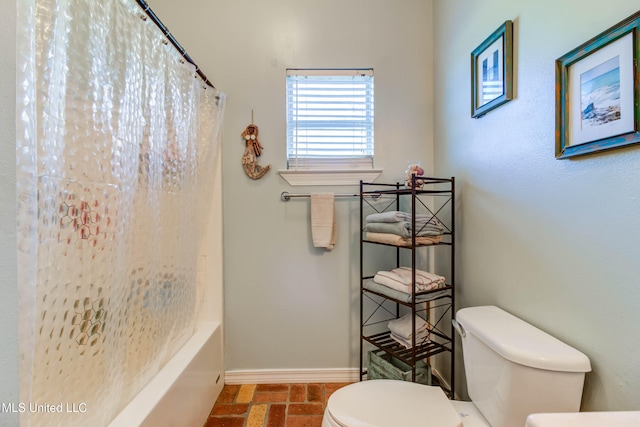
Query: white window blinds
pixel 329 119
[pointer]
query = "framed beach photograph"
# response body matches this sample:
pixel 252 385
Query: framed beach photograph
pixel 492 71
pixel 597 93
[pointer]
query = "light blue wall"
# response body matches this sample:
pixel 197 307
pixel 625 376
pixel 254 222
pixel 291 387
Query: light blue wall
pixel 287 304
pixel 552 241
pixel 9 389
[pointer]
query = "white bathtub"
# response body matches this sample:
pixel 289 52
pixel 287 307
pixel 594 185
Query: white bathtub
pixel 184 391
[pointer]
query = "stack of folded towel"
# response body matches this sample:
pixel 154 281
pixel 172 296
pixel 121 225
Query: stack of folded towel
pixel 400 280
pixel 395 227
pixel 402 332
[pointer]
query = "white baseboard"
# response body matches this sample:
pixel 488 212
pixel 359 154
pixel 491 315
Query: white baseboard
pixel 442 381
pixel 281 376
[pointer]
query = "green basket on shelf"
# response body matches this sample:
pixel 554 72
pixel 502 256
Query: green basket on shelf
pixel 382 365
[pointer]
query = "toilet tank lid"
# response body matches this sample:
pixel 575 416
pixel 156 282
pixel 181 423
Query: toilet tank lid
pixel 518 341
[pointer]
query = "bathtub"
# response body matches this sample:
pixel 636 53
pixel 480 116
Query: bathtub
pixel 184 391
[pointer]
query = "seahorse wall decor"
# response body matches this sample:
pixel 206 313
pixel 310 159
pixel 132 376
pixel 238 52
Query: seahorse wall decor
pixel 252 151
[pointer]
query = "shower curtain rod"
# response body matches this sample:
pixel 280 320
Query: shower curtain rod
pixel 172 39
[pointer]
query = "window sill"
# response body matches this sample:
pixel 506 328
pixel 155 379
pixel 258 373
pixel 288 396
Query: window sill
pixel 329 177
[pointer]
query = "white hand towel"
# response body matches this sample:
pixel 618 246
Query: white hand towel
pixel 323 220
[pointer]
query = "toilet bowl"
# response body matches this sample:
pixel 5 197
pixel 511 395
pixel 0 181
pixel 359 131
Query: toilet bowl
pixel 512 369
pixel 391 403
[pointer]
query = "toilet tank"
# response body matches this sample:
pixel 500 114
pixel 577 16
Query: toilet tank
pixel 514 369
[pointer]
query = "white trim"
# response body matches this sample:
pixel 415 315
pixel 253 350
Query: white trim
pixel 341 177
pixel 329 71
pixel 441 380
pixel 282 376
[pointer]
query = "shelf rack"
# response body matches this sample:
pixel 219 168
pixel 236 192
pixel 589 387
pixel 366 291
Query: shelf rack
pixel 436 198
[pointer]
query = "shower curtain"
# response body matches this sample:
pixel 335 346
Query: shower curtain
pixel 117 141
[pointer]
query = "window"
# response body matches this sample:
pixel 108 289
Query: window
pixel 329 119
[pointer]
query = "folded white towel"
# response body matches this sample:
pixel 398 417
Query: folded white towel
pixel 395 281
pixel 397 216
pixel 323 220
pixel 422 277
pixel 402 282
pixel 421 339
pixel 397 240
pixel 405 228
pixel 401 277
pixel 401 327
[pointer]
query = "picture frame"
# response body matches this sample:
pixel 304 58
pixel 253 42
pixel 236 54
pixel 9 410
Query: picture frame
pixel 597 92
pixel 492 71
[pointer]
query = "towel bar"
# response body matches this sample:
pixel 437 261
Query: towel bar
pixel 285 196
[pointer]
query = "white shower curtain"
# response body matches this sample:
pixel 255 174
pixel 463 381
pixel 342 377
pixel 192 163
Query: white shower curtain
pixel 116 148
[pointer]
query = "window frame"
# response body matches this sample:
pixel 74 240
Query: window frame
pixel 333 168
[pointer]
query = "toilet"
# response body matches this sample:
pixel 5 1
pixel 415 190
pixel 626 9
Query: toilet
pixel 513 369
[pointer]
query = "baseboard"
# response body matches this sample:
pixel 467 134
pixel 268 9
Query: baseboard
pixel 445 384
pixel 281 376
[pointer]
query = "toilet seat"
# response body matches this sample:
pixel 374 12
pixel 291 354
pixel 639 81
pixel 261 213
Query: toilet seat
pixel 390 403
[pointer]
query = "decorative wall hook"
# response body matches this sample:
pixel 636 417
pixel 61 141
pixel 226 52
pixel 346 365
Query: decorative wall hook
pixel 252 151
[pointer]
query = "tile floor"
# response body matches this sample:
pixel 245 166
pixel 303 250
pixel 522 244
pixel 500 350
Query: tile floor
pixel 271 405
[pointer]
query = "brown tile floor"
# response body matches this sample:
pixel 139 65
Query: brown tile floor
pixel 271 405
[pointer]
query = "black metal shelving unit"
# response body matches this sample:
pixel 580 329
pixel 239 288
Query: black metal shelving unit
pixel 435 198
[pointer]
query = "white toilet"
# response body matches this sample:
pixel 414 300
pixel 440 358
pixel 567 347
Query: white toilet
pixel 512 368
